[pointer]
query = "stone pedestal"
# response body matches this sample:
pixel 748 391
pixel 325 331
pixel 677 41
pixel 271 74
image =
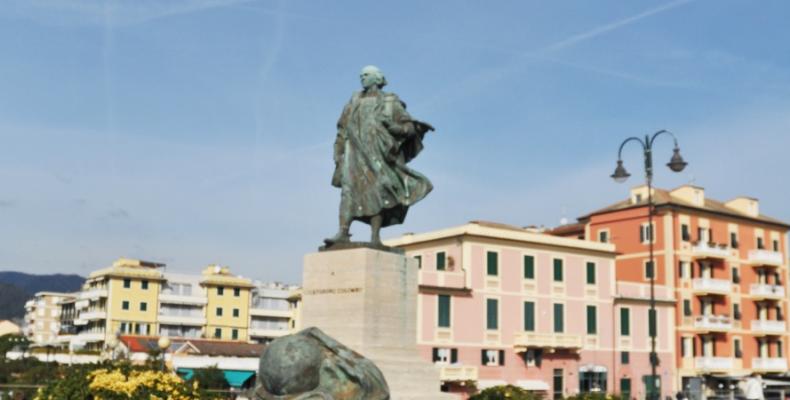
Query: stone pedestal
pixel 367 300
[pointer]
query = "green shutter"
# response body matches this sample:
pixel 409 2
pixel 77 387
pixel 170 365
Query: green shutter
pixel 557 270
pixel 652 323
pixel 440 261
pixel 529 316
pixel 592 324
pixel 444 311
pixel 625 388
pixel 649 270
pixel 625 321
pixel 492 259
pixel 591 273
pixel 529 267
pixel 492 317
pixel 559 323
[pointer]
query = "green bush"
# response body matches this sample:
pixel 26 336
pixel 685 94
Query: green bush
pixel 508 392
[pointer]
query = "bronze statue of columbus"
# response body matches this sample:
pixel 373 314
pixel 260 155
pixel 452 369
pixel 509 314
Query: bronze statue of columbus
pixel 376 137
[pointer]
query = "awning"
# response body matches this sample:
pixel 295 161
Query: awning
pixel 236 379
pixel 592 368
pixel 185 373
pixel 533 384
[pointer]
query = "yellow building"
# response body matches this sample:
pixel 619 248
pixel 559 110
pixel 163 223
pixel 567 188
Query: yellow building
pixel 228 307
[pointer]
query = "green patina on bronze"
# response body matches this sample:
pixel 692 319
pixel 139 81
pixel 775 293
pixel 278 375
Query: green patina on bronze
pixel 310 365
pixel 376 138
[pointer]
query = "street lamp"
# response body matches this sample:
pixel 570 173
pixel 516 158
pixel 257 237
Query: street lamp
pixel 620 175
pixel 164 344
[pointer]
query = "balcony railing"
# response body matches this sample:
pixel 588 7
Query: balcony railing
pixel 267 312
pixel 170 298
pixel 713 363
pixel 713 322
pixel 765 257
pixel 766 291
pixel 91 336
pixel 525 340
pixel 711 285
pixel 92 294
pixel 91 315
pixel 456 373
pixel 171 319
pixel 768 326
pixel 268 333
pixel 769 364
pixel 709 250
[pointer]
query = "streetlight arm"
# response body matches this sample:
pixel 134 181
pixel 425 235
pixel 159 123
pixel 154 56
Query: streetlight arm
pixel 659 133
pixel 633 138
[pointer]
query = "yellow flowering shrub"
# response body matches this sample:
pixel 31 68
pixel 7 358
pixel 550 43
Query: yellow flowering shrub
pixel 149 385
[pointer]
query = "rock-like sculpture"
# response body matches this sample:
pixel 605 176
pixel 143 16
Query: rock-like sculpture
pixel 310 365
pixel 376 137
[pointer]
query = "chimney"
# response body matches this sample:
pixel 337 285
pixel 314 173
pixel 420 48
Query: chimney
pixel 690 194
pixel 745 205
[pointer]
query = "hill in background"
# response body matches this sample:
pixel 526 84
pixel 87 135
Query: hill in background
pixel 17 287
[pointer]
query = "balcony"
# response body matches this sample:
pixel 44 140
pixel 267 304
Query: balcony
pixel 713 323
pixel 268 312
pixel 769 364
pixel 457 373
pixel 448 279
pixel 768 327
pixel 268 333
pixel 93 294
pixel 526 340
pixel 91 336
pixel 767 292
pixel 713 364
pixel 92 315
pixel 765 258
pixel 709 250
pixel 711 286
pixel 170 298
pixel 193 320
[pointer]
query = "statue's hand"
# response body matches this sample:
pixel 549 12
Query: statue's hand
pixel 395 129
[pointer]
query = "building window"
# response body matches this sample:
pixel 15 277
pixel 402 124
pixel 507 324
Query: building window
pixel 557 384
pixel 492 263
pixel 445 356
pixel 144 284
pixel 603 236
pixel 683 269
pixel 529 267
pixel 625 388
pixel 646 233
pixel 776 245
pixel 779 350
pixel 557 270
pixel 736 277
pixel 592 382
pixel 217 333
pixel 733 240
pixel 736 344
pixel 649 270
pixel 760 243
pixel 625 357
pixel 533 357
pixel 559 318
pixel 591 273
pixel 124 305
pixel 220 291
pixel 686 307
pixel 685 234
pixel 143 306
pixel 219 311
pixel 127 283
pixel 419 261
pixel 235 312
pixel 236 292
pixel 736 311
pixel 492 357
pixel 492 314
pixel 625 321
pixel 234 334
pixel 529 316
pixel 441 261
pixel 444 311
pixel 592 324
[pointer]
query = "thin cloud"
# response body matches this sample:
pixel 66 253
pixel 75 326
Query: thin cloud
pixel 581 37
pixel 7 203
pixel 118 213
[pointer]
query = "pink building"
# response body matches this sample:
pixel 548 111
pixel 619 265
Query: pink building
pixel 504 305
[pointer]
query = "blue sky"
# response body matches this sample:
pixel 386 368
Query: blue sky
pixel 197 132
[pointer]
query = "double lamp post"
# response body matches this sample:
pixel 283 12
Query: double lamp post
pixel 676 164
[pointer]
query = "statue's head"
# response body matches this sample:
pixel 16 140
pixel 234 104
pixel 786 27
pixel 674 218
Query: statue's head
pixel 372 76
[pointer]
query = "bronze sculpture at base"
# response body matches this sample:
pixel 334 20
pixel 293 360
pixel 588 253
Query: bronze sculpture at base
pixel 310 365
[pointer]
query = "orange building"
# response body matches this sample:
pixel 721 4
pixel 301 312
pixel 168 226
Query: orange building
pixel 725 263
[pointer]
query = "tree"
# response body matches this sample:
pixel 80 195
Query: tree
pixel 508 392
